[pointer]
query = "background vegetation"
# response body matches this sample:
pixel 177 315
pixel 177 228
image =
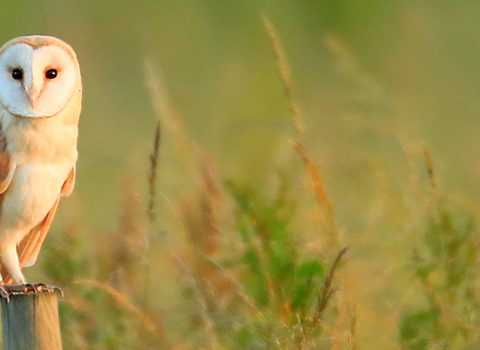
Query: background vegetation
pixel 253 202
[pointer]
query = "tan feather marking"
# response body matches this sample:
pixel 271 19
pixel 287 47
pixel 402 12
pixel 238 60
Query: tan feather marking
pixel 67 187
pixel 6 169
pixel 29 247
pixel 37 41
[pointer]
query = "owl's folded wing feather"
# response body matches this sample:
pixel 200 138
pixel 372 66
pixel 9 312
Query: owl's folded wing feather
pixel 7 169
pixel 67 187
pixel 7 166
pixel 29 247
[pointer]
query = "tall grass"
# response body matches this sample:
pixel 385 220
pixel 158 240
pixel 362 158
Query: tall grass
pixel 244 278
pixel 249 285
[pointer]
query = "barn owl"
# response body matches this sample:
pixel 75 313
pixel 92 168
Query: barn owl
pixel 40 103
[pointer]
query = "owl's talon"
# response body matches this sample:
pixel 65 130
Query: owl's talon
pixel 28 288
pixel 58 289
pixel 7 290
pixel 4 293
pixel 40 287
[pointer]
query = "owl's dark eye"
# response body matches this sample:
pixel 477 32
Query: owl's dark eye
pixel 17 74
pixel 51 74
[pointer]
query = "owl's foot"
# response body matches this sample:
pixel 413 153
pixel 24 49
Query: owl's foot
pixel 4 293
pixel 7 290
pixel 43 288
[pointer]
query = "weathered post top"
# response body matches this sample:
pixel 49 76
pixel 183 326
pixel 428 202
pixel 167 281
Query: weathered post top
pixel 30 321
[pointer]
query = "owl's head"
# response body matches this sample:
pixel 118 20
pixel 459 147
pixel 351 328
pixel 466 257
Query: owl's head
pixel 38 76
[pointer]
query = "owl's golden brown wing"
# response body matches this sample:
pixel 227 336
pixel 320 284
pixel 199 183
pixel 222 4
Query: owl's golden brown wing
pixel 6 173
pixel 7 167
pixel 29 247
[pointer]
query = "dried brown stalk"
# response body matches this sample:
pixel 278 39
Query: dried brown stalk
pixel 320 188
pixel 318 184
pixel 431 173
pixel 153 172
pixel 327 290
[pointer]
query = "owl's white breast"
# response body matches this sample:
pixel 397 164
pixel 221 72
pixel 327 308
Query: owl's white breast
pixel 44 151
pixel 33 190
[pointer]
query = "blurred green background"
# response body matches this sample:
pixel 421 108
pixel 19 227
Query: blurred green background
pixel 378 82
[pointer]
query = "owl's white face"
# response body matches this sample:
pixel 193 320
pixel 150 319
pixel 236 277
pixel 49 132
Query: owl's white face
pixel 38 76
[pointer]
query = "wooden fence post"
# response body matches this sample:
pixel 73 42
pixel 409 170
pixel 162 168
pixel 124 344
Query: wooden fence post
pixel 30 321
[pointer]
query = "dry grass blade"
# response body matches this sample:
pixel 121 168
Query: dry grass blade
pixel 318 183
pixel 353 328
pixel 327 290
pixel 345 329
pixel 285 73
pixel 346 59
pixel 124 303
pixel 174 125
pixel 124 249
pixel 207 322
pixel 349 66
pixel 431 173
pixel 153 172
pixel 162 107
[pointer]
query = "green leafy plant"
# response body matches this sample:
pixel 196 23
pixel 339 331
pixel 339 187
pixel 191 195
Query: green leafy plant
pixel 446 267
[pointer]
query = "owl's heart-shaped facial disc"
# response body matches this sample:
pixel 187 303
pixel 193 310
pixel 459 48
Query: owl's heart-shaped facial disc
pixel 38 76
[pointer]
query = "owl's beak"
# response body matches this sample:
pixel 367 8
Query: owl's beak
pixel 32 94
